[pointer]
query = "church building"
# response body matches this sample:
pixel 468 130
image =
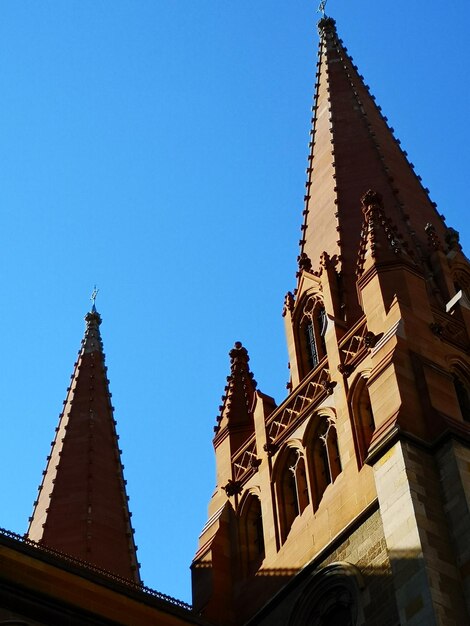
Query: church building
pixel 347 504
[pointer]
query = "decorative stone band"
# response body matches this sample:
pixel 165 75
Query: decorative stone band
pixel 245 461
pixel 309 393
pixel 354 346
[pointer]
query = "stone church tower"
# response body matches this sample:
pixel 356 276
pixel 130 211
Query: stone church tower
pixel 348 503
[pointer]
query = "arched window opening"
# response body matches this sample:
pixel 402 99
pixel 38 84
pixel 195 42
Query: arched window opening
pixel 315 335
pixel 323 459
pixel 291 486
pixel 293 490
pixel 333 452
pixel 258 535
pixel 252 534
pixel 313 325
pixel 363 420
pixel 463 396
pixel 326 462
pixel 300 476
pixel 338 614
pixel 331 598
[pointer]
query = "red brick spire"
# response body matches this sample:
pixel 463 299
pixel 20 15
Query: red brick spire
pixel 353 150
pixel 82 505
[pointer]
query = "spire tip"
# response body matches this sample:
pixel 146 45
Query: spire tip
pixel 321 8
pixel 94 294
pixel 327 25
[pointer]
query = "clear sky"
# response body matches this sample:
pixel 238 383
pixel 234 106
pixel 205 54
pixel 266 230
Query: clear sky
pixel 158 149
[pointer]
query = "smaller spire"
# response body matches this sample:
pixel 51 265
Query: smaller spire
pixel 82 506
pixel 237 401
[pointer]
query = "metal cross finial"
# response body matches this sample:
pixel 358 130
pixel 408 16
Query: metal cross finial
pixel 321 8
pixel 93 297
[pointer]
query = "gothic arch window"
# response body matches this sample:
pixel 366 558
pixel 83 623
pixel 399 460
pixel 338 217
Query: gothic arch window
pixel 462 391
pixel 311 333
pixel 292 488
pixel 331 598
pixel 363 418
pixel 251 533
pixel 323 454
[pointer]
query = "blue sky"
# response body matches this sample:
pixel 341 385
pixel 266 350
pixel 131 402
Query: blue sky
pixel 158 149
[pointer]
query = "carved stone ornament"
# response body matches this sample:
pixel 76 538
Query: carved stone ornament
pixel 453 239
pixel 238 352
pixel 433 240
pixel 371 200
pixel 328 386
pixel 232 488
pixel 271 448
pixel 324 259
pixel 370 339
pixel 346 370
pixel 304 263
pixel 289 302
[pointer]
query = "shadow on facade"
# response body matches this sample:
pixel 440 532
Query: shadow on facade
pixel 338 593
pixel 378 590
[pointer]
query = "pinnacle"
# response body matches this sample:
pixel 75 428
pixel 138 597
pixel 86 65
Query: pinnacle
pixel 92 339
pixel 381 241
pixel 237 400
pixel 238 354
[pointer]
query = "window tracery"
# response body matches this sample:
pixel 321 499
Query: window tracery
pixel 252 533
pixel 300 482
pixel 326 462
pixel 362 418
pixel 331 598
pixel 292 489
pixel 312 329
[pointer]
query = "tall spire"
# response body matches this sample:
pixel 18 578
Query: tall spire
pixel 353 150
pixel 82 505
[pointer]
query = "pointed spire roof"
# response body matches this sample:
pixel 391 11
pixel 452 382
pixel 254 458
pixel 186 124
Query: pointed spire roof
pixel 237 401
pixel 352 150
pixel 82 507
